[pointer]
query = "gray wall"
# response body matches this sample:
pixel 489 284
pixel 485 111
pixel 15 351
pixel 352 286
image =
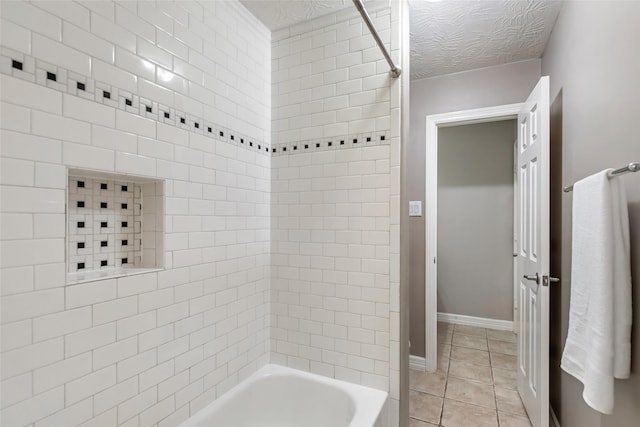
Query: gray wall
pixel 484 87
pixel 593 60
pixel 475 219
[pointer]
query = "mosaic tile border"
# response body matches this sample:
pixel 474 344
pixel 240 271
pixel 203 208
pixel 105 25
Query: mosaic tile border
pixel 26 67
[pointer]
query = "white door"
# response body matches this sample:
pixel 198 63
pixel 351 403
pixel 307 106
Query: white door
pixel 533 254
pixel 516 282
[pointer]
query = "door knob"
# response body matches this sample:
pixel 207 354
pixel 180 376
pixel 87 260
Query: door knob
pixel 533 278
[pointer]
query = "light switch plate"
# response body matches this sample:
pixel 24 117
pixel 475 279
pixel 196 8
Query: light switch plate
pixel 415 208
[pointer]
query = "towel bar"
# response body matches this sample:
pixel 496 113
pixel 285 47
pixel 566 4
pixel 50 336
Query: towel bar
pixel 631 167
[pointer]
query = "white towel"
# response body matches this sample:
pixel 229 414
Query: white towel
pixel 598 347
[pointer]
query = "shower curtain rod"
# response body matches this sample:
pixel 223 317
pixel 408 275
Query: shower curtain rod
pixel 631 167
pixel 395 71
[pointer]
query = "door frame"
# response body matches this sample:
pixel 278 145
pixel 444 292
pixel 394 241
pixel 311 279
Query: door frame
pixel 473 116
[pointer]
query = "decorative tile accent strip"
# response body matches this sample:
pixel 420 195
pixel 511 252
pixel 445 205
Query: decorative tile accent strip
pixel 331 143
pixel 28 68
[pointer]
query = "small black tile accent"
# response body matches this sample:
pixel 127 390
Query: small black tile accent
pixel 355 140
pixel 209 129
pixel 232 138
pixel 259 147
pixel 104 224
pixel 241 140
pixel 80 265
pixel 266 149
pixel 16 64
pixel 104 243
pixel 80 245
pixel 221 133
pixel 124 188
pixel 148 108
pixel 273 150
pixel 80 184
pixel 103 205
pixel 284 148
pixel 125 242
pixel 80 204
pixel 106 94
pixel 52 76
pixel 342 142
pixel 81 86
pixel 103 263
pixel 317 145
pixel 123 205
pixel 295 147
pixel 306 146
pixel 128 102
pixel 124 224
pixel 183 120
pixel 166 115
pixel 330 143
pixel 368 139
pixel 103 186
pixel 250 143
pixel 80 224
pixel 125 260
pixel 382 137
pixel 197 125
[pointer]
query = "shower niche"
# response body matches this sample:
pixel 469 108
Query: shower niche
pixel 115 225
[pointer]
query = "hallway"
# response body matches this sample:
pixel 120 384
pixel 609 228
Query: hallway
pixel 475 384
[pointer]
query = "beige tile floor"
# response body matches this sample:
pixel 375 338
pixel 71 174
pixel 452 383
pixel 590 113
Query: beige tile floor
pixel 475 384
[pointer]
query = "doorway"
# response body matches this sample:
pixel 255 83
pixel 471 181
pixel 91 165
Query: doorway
pixel 434 124
pixel 532 225
pixel 475 217
pixel 472 245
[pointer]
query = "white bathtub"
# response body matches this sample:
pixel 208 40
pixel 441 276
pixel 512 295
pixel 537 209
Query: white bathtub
pixel 275 396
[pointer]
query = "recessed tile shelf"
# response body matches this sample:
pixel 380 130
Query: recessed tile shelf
pixel 115 225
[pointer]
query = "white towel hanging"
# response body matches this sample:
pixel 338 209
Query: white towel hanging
pixel 598 347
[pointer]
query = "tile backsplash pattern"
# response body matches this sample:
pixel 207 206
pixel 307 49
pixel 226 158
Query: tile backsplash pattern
pixel 104 227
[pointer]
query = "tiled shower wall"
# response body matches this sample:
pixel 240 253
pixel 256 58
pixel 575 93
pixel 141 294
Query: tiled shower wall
pixel 330 80
pixel 335 222
pixel 175 91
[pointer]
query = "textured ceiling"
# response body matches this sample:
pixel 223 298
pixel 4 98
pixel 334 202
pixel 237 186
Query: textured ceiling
pixel 447 36
pixel 454 35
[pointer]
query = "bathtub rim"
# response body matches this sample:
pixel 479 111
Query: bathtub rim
pixel 369 402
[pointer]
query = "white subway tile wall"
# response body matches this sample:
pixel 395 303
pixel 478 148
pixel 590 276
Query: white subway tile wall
pixel 330 263
pixel 334 259
pixel 290 258
pixel 331 82
pixel 154 348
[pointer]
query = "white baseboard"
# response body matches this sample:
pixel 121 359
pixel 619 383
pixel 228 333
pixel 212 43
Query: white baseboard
pixel 480 322
pixel 553 420
pixel 417 362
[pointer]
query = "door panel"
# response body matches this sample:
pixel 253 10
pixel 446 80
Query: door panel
pixel 533 257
